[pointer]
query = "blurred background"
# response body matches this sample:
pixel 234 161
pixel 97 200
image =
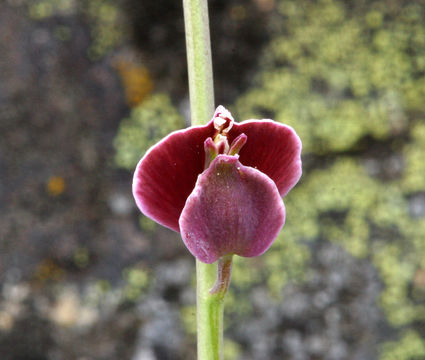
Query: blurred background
pixel 86 86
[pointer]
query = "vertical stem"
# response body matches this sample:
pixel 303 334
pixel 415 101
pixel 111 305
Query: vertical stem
pixel 209 306
pixel 209 314
pixel 198 49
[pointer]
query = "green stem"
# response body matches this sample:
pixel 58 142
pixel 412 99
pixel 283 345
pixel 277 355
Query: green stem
pixel 209 306
pixel 209 314
pixel 198 49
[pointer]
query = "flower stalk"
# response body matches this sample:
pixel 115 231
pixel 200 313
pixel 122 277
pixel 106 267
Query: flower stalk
pixel 199 63
pixel 198 48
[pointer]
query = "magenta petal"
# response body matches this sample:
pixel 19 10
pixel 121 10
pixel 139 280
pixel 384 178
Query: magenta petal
pixel 166 175
pixel 272 148
pixel 233 209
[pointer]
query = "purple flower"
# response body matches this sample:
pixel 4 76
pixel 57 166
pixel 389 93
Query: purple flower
pixel 220 185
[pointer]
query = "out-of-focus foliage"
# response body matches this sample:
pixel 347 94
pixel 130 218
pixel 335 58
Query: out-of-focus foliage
pixel 102 15
pixel 147 124
pixel 350 78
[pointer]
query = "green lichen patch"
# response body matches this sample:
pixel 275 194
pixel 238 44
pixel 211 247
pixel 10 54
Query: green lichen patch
pixel 103 16
pixel 411 346
pixel 338 74
pixel 148 123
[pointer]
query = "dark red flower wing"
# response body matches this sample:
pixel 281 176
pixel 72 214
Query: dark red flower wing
pixel 166 175
pixel 272 148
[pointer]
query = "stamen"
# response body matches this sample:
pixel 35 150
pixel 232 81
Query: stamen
pixel 237 144
pixel 222 144
pixel 211 152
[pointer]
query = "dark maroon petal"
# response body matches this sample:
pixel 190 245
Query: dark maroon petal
pixel 166 175
pixel 233 209
pixel 272 148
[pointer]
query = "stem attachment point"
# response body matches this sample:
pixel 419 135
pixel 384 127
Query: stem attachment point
pixel 224 272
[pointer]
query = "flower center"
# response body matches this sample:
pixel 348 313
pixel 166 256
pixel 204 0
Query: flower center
pixel 220 144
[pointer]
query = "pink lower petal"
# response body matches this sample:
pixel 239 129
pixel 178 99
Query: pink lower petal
pixel 233 209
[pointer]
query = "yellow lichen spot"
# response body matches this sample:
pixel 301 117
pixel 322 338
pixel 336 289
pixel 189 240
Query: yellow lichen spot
pixel 55 185
pixel 48 270
pixel 266 5
pixel 81 257
pixel 135 79
pixel 106 31
pixel 238 12
pixel 41 10
pixel 137 281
